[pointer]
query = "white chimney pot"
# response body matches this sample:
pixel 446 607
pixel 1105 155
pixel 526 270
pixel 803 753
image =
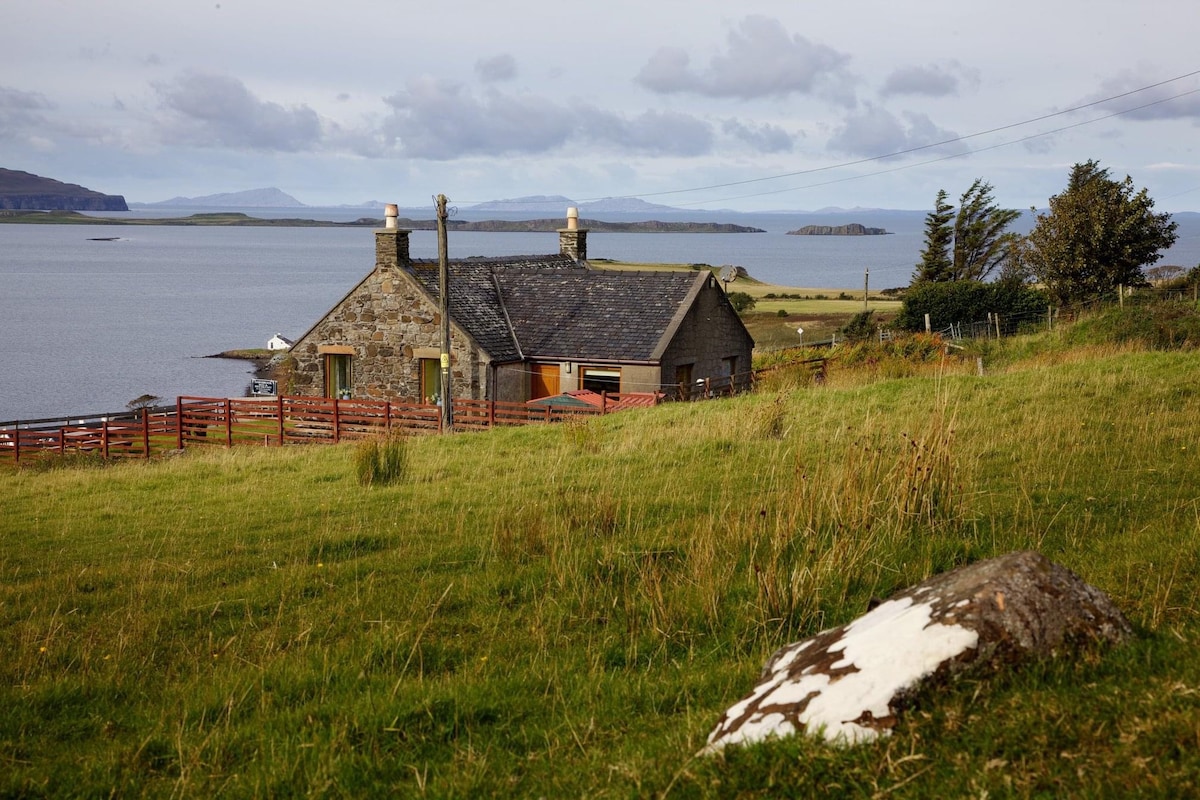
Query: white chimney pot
pixel 572 218
pixel 390 212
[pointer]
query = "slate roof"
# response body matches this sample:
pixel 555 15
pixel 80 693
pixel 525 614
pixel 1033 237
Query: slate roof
pixel 576 315
pixel 475 303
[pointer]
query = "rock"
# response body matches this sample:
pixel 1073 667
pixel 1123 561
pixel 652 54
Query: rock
pixel 847 684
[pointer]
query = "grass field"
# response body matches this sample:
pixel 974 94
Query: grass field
pixel 565 611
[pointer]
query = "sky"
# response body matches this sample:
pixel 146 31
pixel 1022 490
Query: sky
pixel 701 104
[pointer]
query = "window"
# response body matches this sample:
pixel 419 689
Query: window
pixel 337 375
pixel 601 380
pixel 431 380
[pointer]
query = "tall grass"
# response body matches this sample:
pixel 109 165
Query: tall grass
pixel 566 610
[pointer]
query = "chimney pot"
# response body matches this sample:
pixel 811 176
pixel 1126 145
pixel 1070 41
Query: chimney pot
pixel 572 218
pixel 390 212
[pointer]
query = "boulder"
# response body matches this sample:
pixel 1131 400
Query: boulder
pixel 848 683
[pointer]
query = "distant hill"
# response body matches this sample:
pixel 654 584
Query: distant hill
pixel 251 198
pixel 29 192
pixel 558 204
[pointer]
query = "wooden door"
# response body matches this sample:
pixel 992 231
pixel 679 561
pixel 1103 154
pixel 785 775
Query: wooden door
pixel 543 380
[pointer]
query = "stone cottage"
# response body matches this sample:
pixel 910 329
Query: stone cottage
pixel 522 328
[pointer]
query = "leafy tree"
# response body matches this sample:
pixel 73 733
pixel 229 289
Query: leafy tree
pixel 741 301
pixel 936 261
pixel 969 244
pixel 1097 235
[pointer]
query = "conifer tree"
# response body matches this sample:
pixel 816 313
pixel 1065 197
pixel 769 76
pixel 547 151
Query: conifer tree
pixel 939 235
pixel 969 244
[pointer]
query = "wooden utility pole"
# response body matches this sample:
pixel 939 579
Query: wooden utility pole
pixel 866 287
pixel 444 291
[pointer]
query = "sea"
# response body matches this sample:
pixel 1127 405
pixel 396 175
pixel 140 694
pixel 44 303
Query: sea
pixel 93 316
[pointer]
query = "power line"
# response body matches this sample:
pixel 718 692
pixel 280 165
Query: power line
pixel 929 161
pixel 917 149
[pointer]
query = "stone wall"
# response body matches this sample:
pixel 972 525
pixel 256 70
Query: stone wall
pixel 710 333
pixel 389 324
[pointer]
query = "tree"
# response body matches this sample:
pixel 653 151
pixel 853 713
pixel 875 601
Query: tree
pixel 1097 236
pixel 974 245
pixel 981 240
pixel 741 301
pixel 936 261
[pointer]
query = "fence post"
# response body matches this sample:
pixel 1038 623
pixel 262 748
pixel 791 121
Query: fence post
pixel 104 439
pixel 997 327
pixel 178 422
pixel 16 434
pixel 146 431
pixel 337 421
pixel 228 422
pixel 279 408
pixel 492 413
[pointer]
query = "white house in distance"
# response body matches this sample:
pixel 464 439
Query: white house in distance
pixel 279 342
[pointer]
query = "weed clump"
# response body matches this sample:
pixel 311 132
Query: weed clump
pixel 381 462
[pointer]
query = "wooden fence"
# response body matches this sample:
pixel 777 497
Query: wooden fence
pixel 272 421
pixel 277 421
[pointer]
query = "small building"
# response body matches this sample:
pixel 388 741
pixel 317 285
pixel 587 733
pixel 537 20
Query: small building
pixel 279 342
pixel 522 328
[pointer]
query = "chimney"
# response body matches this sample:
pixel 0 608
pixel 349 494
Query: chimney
pixel 572 240
pixel 391 243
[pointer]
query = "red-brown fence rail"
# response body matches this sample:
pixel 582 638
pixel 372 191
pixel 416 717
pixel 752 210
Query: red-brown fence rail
pixel 271 421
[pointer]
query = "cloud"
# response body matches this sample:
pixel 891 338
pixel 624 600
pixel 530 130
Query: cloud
pixel 502 67
pixel 760 60
pixel 762 138
pixel 659 133
pixel 21 117
pixel 1163 108
pixel 933 80
pixel 205 110
pixel 442 120
pixel 875 131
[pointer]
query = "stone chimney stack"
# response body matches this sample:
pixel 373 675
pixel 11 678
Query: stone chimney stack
pixel 391 243
pixel 572 240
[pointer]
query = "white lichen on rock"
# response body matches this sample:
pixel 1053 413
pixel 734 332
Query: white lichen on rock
pixel 847 684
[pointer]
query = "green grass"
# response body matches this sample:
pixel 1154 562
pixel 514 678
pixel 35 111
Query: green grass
pixel 565 611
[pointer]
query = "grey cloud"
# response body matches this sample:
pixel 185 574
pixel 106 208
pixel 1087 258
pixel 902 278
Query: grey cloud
pixel 502 67
pixel 20 113
pixel 441 120
pixel 208 110
pixel 762 138
pixel 933 80
pixel 875 131
pixel 660 133
pixel 1187 107
pixel 760 60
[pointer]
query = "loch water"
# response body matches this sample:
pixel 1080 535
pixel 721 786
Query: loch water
pixel 92 316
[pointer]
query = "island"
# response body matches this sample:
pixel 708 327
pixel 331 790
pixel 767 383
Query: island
pixel 853 229
pixel 493 225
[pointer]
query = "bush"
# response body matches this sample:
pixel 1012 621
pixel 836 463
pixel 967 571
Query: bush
pixel 861 326
pixel 381 461
pixel 741 301
pixel 951 302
